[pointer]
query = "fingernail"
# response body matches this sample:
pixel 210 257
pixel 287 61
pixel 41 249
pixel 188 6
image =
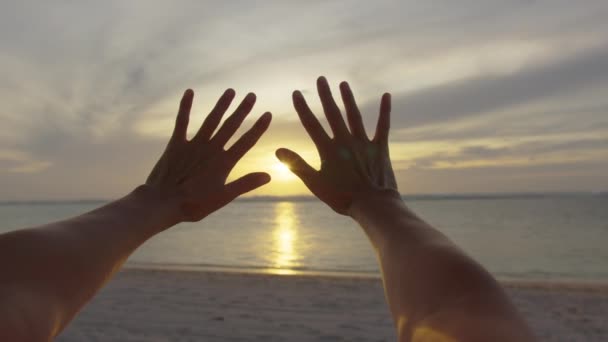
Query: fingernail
pixel 297 94
pixel 189 92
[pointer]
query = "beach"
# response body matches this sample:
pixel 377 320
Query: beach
pixel 169 305
pixel 177 287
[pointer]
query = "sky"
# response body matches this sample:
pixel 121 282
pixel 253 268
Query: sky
pixel 488 96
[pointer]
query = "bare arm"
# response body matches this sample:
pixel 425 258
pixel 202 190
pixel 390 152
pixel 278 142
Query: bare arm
pixel 50 272
pixel 434 290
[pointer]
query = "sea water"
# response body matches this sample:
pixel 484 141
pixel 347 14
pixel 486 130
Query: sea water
pixel 542 237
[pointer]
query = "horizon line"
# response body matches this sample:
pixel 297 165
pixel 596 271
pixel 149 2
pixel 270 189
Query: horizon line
pixel 421 196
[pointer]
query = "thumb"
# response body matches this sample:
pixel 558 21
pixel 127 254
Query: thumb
pixel 196 210
pixel 243 185
pixel 298 166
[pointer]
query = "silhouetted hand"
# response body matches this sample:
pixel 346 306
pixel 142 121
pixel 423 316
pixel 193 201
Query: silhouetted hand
pixel 352 165
pixel 191 174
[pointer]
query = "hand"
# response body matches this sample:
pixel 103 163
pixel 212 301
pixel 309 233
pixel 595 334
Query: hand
pixel 352 166
pixel 192 173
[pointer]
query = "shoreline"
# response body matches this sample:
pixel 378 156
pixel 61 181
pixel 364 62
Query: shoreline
pixel 510 282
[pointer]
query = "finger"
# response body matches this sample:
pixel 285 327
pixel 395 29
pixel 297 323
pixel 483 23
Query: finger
pixel 244 184
pixel 183 115
pixel 331 109
pixel 355 122
pixel 250 138
pixel 234 121
pixel 215 116
pixel 310 122
pixel 298 166
pixel 384 120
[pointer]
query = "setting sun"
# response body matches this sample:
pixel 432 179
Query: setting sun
pixel 282 172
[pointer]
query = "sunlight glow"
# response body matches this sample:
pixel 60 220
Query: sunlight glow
pixel 282 172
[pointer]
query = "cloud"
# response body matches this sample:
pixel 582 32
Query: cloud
pixel 89 91
pixel 18 162
pixel 552 177
pixel 532 153
pixel 486 94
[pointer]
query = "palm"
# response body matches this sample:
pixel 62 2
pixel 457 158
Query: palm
pixel 194 172
pixel 351 164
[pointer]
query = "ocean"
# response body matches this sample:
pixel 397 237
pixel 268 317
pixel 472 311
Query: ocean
pixel 539 237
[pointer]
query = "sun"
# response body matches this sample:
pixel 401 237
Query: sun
pixel 282 172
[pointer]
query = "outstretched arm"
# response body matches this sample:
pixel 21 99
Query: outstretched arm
pixel 50 272
pixel 434 290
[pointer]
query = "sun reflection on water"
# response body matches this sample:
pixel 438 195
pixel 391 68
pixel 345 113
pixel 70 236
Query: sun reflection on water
pixel 284 236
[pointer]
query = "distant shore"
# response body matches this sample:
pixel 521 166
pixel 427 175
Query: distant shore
pixel 162 305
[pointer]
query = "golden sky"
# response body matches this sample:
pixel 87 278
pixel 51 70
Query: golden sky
pixel 499 96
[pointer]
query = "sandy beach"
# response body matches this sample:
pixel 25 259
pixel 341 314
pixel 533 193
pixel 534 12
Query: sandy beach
pixel 158 305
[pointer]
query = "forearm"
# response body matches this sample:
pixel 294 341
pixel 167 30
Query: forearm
pixel 427 279
pixel 405 246
pixel 386 219
pixel 50 272
pixel 63 264
pixel 426 276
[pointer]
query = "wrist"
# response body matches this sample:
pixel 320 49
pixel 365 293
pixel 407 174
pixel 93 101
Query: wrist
pixel 373 203
pixel 161 207
pixel 387 221
pixel 364 201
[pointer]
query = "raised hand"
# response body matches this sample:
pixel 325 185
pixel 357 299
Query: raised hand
pixel 352 165
pixel 192 174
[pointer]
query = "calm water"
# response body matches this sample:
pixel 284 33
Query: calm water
pixel 532 238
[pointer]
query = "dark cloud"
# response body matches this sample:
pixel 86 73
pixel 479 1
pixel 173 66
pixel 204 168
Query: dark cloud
pixel 550 177
pixel 535 153
pixel 486 94
pixel 558 120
